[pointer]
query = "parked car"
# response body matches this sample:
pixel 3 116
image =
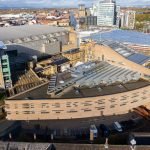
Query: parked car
pixel 117 126
pixel 105 130
pixel 126 125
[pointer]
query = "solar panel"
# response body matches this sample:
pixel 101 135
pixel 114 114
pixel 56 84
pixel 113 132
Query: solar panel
pixel 139 58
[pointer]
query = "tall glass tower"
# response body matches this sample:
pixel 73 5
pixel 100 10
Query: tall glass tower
pixel 106 13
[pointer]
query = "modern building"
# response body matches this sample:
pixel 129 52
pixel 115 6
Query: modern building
pixel 88 12
pixel 6 71
pixel 106 15
pixel 128 19
pixel 118 19
pixel 94 9
pixel 88 20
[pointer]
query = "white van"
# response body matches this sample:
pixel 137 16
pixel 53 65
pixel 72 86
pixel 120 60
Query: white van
pixel 117 126
pixel 94 130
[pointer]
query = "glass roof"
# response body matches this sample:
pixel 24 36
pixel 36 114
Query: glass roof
pixel 124 36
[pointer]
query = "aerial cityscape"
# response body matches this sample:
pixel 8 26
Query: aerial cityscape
pixel 74 75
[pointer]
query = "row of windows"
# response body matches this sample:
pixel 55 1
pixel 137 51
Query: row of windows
pixel 71 111
pixel 123 101
pixel 27 106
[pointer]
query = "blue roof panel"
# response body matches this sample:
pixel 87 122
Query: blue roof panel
pixel 124 36
pixel 138 58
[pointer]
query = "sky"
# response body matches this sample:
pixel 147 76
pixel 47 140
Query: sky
pixel 65 3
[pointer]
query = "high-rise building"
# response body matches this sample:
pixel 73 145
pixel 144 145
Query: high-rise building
pixel 82 10
pixel 86 17
pixel 128 19
pixel 94 10
pixel 106 13
pixel 88 20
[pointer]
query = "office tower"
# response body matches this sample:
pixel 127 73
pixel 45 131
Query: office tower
pixel 106 15
pixel 94 10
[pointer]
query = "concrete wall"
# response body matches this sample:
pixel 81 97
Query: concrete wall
pixel 40 47
pixel 77 108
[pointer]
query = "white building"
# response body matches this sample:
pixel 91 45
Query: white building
pixel 94 9
pixel 118 17
pixel 106 13
pixel 128 19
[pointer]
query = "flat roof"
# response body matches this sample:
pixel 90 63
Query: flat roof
pixel 132 37
pixel 17 32
pixel 41 92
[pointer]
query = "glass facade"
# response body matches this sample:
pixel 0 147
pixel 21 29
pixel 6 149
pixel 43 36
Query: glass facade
pixel 106 13
pixel 6 71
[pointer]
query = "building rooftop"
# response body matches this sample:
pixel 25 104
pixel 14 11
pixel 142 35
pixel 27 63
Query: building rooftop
pixel 18 32
pixel 41 92
pixel 87 80
pixel 126 52
pixel 139 58
pixel 124 36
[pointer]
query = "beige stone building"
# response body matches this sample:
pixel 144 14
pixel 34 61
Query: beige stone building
pixel 20 108
pixel 63 23
pixel 42 109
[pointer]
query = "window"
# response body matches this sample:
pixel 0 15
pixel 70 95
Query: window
pixel 4 61
pixel 5 66
pixel 72 111
pixel 6 78
pixel 26 106
pixel 44 112
pixel 5 73
pixel 8 112
pixel 28 112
